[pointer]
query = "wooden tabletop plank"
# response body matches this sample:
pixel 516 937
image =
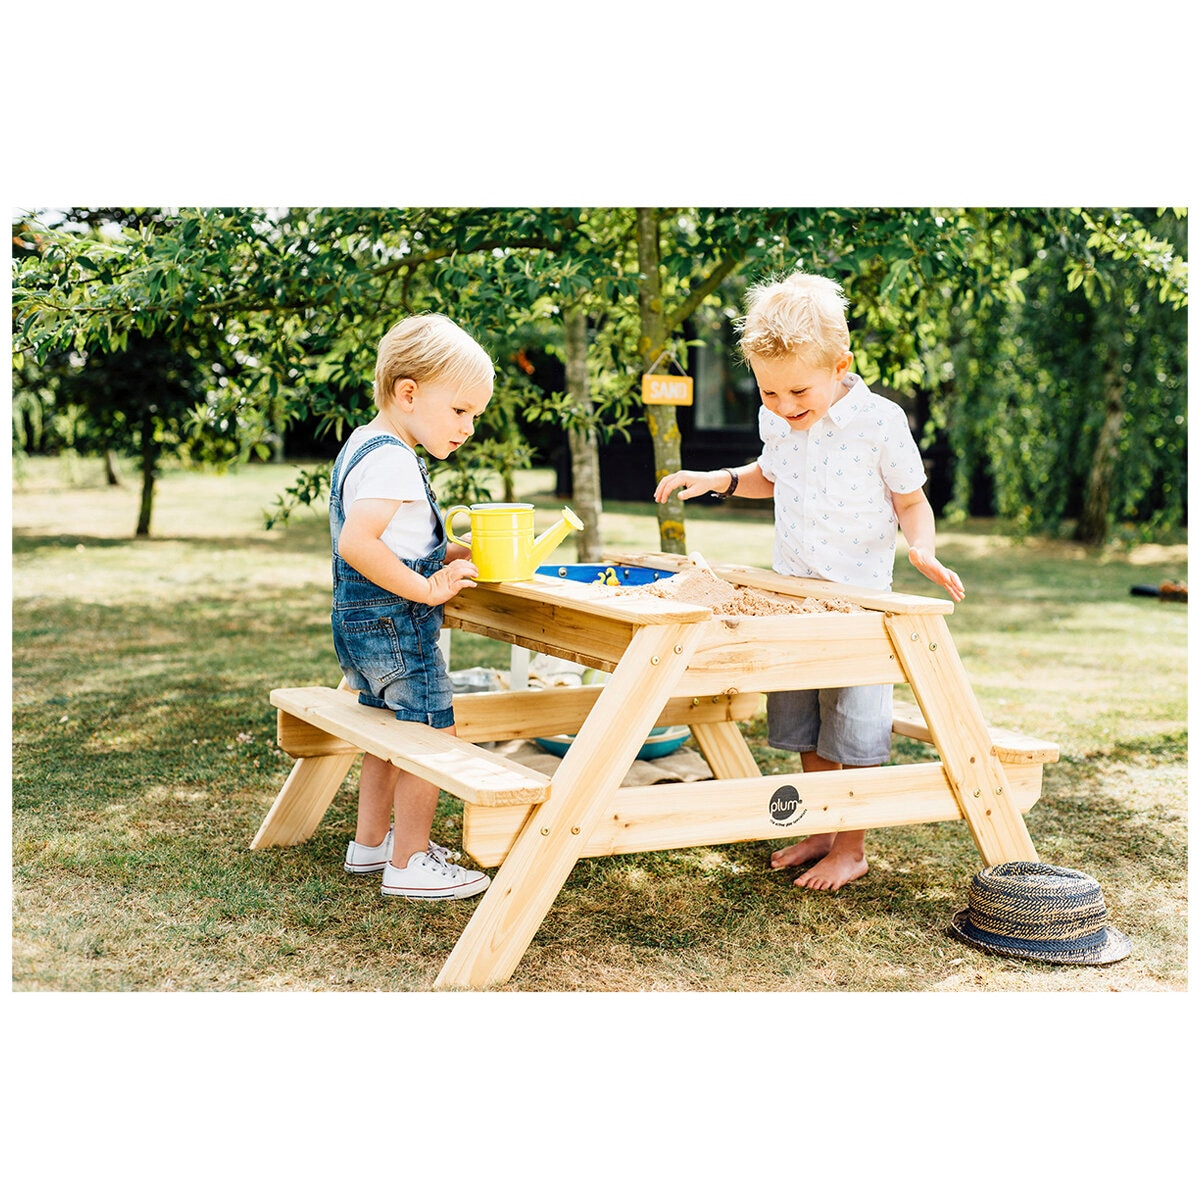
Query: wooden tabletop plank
pixel 795 585
pixel 626 605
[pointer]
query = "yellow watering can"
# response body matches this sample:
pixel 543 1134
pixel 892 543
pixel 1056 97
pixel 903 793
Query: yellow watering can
pixel 502 544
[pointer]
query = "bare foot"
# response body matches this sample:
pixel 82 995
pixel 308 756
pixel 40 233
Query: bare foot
pixel 838 867
pixel 799 853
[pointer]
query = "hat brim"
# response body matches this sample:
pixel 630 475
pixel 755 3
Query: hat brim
pixel 1114 947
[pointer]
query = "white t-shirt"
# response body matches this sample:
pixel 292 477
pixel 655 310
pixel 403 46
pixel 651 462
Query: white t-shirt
pixel 833 488
pixel 392 472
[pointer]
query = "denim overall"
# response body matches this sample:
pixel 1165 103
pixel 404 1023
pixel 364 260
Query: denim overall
pixel 387 646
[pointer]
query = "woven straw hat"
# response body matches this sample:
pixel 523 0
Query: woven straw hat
pixel 1032 910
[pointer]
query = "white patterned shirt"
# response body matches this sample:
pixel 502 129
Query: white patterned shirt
pixel 833 488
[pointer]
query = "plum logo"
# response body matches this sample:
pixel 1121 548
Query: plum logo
pixel 785 807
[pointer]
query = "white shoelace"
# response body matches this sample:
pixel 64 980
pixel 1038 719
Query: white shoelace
pixel 437 855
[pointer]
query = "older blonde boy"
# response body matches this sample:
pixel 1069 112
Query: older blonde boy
pixel 392 571
pixel 843 468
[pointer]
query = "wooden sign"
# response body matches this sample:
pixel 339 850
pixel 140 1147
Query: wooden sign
pixel 667 389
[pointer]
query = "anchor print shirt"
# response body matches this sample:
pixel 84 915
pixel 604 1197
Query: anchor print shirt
pixel 833 488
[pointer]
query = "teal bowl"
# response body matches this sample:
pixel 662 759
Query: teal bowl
pixel 663 739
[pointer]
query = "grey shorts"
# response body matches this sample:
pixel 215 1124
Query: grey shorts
pixel 849 725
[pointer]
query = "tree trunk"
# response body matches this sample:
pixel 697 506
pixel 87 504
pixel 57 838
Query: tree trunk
pixel 278 428
pixel 149 471
pixel 582 438
pixel 1093 526
pixel 110 469
pixel 660 418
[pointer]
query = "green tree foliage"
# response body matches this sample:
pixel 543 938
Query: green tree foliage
pixel 1067 398
pixel 992 313
pixel 157 389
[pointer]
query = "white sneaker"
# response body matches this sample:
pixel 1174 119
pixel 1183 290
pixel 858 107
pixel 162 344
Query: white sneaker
pixel 363 860
pixel 430 877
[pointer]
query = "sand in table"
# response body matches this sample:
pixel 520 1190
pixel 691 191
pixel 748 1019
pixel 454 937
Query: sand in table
pixel 695 586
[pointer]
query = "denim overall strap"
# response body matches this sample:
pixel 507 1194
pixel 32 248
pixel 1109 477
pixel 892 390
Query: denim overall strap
pixel 437 512
pixel 339 476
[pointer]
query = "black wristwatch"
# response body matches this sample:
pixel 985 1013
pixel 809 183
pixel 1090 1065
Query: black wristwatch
pixel 733 480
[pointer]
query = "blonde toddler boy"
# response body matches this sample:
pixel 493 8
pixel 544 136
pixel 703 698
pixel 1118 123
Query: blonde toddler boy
pixel 843 468
pixel 393 569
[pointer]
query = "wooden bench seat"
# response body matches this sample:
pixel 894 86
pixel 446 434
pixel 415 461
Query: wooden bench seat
pixel 1010 746
pixel 323 721
pixel 324 729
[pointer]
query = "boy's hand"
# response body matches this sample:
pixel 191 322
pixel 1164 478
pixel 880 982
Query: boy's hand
pixel 932 569
pixel 693 483
pixel 450 580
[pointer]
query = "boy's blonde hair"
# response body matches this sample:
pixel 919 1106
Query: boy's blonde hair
pixel 426 348
pixel 802 314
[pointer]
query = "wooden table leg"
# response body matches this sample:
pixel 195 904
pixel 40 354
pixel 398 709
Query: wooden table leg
pixel 930 660
pixel 725 749
pixel 303 800
pixel 549 845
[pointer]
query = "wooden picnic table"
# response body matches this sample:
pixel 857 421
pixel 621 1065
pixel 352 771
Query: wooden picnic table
pixel 670 664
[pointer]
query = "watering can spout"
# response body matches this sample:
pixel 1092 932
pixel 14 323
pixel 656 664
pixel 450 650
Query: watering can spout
pixel 542 546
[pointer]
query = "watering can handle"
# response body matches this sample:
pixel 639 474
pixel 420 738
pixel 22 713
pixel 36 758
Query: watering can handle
pixel 449 523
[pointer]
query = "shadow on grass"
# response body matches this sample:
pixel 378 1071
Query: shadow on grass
pixel 303 539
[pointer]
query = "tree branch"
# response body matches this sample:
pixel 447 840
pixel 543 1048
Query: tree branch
pixel 698 295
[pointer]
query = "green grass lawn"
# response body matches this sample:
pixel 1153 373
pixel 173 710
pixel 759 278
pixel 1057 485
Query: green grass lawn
pixel 143 761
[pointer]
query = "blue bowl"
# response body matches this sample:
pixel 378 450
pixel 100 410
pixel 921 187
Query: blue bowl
pixel 663 739
pixel 603 572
